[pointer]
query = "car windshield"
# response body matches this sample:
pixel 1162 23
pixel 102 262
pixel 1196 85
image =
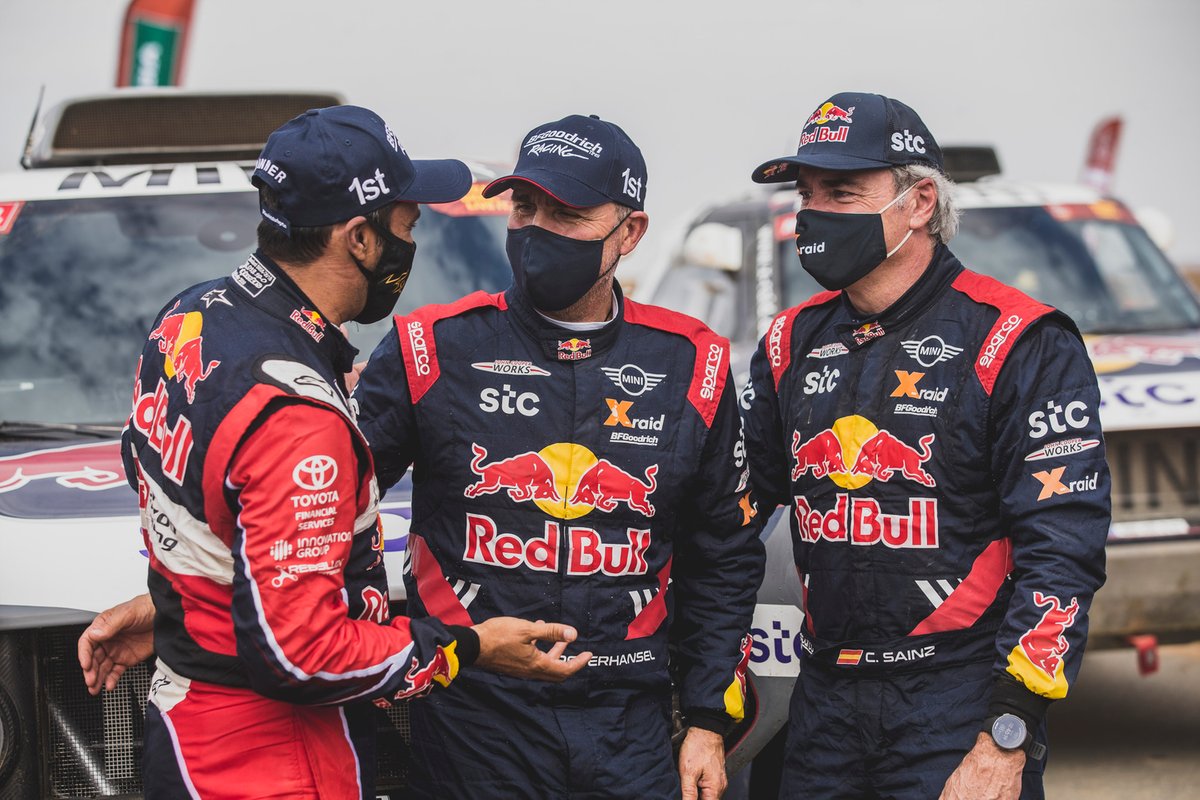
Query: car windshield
pixel 84 278
pixel 1105 274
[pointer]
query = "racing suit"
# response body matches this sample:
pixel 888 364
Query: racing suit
pixel 259 511
pixel 949 508
pixel 595 478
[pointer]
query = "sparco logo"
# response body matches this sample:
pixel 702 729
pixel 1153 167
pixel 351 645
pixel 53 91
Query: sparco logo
pixel 315 473
pixel 709 387
pixel 416 337
pixel 998 339
pixel 775 340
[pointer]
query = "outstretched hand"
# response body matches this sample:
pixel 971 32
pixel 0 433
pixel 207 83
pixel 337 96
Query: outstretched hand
pixel 508 645
pixel 117 639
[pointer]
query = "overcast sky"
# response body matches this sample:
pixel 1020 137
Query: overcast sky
pixel 708 89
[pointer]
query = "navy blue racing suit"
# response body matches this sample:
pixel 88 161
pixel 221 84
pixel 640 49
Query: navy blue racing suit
pixel 597 479
pixel 949 497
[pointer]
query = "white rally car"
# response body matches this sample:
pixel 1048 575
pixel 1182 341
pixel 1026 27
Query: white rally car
pixel 126 200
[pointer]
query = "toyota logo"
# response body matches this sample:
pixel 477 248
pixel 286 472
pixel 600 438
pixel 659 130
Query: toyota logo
pixel 315 473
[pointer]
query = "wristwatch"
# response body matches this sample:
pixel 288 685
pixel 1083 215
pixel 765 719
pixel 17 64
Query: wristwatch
pixel 1008 731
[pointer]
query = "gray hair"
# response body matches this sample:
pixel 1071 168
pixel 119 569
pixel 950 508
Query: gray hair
pixel 943 224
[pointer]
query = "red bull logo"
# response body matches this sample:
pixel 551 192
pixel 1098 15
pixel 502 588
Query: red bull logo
pixel 179 339
pixel 149 418
pixel 862 522
pixel 587 552
pixel 420 679
pixel 824 115
pixel 526 477
pixel 828 112
pixel 310 321
pixel 606 484
pixel 854 452
pixel 88 467
pixel 574 349
pixel 1045 644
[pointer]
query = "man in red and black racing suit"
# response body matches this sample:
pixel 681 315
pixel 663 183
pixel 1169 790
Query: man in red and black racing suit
pixel 259 503
pixel 937 438
pixel 591 472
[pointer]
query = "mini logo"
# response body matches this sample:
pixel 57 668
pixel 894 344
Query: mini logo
pixel 930 350
pixel 315 473
pixel 505 366
pixel 1066 447
pixel 633 379
pixel 831 350
pixel 574 349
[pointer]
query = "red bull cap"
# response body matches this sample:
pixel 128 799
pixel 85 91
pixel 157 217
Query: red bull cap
pixel 855 130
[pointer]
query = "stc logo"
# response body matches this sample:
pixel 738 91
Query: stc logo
pixel 509 401
pixel 1058 419
pixel 907 142
pixel 821 382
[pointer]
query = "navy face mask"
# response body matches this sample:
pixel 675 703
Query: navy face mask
pixel 386 281
pixel 838 250
pixel 555 271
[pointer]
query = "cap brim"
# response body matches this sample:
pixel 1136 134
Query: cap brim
pixel 562 188
pixel 778 170
pixel 437 181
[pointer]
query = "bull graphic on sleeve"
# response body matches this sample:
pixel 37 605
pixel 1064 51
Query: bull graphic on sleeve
pixel 1045 644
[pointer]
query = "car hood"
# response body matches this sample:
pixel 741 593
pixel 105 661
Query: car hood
pixel 1147 380
pixel 69 528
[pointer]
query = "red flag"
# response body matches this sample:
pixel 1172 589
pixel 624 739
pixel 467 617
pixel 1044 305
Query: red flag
pixel 153 41
pixel 1102 155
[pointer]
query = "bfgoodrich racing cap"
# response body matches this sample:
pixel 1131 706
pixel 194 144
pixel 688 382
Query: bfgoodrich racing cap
pixel 853 130
pixel 333 164
pixel 580 161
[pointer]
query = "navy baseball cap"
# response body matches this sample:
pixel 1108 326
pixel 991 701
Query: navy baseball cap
pixel 854 130
pixel 580 161
pixel 329 165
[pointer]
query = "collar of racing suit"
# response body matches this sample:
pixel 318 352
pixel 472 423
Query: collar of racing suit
pixel 552 337
pixel 943 268
pixel 282 298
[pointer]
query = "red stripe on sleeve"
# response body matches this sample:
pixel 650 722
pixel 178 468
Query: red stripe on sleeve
pixel 439 599
pixel 654 612
pixel 972 597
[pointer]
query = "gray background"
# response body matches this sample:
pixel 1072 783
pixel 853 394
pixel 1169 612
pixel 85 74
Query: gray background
pixel 707 89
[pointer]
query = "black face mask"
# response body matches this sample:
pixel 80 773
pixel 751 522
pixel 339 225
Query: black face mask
pixel 386 281
pixel 838 250
pixel 555 271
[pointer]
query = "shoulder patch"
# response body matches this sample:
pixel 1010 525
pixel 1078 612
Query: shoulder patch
pixel 779 334
pixel 416 337
pixel 711 368
pixel 1017 312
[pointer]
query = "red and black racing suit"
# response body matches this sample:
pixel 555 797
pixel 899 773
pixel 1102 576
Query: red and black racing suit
pixel 949 498
pixel 597 478
pixel 259 511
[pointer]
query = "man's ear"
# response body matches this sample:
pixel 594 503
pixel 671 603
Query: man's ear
pixel 354 235
pixel 635 228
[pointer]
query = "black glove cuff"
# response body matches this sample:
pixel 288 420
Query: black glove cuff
pixel 467 649
pixel 715 721
pixel 1011 697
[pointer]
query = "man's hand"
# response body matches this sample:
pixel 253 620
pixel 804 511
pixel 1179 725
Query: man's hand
pixel 507 645
pixel 986 773
pixel 117 639
pixel 702 765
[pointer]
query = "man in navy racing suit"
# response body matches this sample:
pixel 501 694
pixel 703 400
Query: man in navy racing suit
pixel 258 498
pixel 576 456
pixel 936 436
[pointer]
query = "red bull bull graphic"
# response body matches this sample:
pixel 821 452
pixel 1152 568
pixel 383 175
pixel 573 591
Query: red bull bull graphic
pixel 526 477
pixel 824 115
pixel 587 553
pixel 861 522
pixel 735 693
pixel 872 454
pixel 179 339
pixel 88 467
pixel 441 669
pixel 606 484
pixel 1037 660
